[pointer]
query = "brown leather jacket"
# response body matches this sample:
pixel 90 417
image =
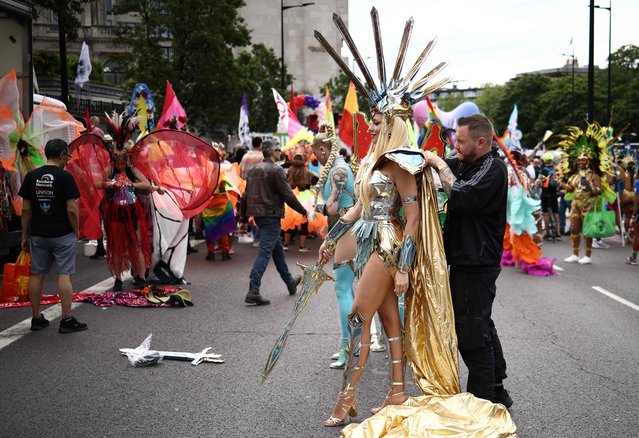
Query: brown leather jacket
pixel 266 192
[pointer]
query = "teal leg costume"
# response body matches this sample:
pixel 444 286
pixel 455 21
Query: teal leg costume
pixel 344 276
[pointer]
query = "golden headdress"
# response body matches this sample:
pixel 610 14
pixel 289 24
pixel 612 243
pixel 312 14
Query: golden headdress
pixel 594 144
pixel 395 95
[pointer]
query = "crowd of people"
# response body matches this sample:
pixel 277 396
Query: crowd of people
pixel 431 285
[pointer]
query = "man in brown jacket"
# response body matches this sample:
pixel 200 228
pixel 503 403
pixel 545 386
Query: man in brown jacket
pixel 266 192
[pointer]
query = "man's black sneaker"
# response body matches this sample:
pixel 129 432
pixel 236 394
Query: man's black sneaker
pixel 504 398
pixel 292 287
pixel 70 324
pixel 39 323
pixel 117 286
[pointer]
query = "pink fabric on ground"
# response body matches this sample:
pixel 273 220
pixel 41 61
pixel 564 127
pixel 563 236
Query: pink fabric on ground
pixel 543 268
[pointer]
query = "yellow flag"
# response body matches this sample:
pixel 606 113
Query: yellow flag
pixel 329 109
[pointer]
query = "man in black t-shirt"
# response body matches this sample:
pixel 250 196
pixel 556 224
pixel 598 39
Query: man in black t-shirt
pixel 50 231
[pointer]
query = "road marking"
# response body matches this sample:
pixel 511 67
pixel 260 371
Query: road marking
pixel 616 298
pixel 23 328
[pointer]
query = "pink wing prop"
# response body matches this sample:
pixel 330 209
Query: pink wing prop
pixel 88 164
pixel 181 163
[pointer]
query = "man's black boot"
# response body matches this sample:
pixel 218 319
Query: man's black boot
pixel 292 287
pixel 502 396
pixel 253 297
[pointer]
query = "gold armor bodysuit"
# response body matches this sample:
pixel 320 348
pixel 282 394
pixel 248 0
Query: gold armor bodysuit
pixel 380 229
pixel 583 198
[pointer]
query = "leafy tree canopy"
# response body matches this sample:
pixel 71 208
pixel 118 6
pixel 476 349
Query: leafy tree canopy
pixel 66 11
pixel 338 88
pixel 204 49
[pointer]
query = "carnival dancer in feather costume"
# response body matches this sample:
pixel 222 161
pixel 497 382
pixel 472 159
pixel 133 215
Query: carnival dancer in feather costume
pixel 125 222
pixel 522 234
pixel 402 256
pixel 586 164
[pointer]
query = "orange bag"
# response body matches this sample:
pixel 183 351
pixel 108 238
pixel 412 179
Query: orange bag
pixel 15 279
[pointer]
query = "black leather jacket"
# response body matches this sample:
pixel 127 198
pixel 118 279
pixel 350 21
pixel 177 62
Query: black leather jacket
pixel 266 192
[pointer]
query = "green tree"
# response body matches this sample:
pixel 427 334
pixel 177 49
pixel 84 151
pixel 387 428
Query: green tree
pixel 489 100
pixel 47 65
pixel 204 34
pixel 625 88
pixel 143 59
pixel 449 103
pixel 258 73
pixel 338 88
pixel 192 43
pixel 67 13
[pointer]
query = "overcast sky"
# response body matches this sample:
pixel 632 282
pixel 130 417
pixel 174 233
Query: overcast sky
pixel 490 41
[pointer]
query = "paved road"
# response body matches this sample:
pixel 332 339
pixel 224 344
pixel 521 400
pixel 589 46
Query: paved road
pixel 572 354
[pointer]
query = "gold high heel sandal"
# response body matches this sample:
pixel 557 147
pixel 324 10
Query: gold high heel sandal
pixel 391 397
pixel 389 401
pixel 349 409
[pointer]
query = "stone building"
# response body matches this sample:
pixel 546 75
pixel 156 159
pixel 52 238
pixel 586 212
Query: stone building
pixel 306 60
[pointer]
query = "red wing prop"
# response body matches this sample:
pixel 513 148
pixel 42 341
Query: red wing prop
pixel 88 164
pixel 363 136
pixel 181 163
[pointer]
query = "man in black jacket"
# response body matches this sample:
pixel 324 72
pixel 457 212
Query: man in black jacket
pixel 266 192
pixel 476 181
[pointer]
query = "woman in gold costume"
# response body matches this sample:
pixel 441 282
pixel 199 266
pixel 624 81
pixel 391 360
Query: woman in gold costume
pixel 402 254
pixel 385 254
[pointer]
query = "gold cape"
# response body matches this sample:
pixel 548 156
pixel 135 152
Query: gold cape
pixel 430 343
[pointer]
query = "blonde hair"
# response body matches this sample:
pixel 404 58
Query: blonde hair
pixel 392 135
pixel 325 135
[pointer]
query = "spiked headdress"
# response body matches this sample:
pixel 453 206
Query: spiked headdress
pixel 394 95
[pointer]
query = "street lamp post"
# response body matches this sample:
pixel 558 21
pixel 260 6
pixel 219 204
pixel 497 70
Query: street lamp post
pixel 591 63
pixel 282 9
pixel 608 97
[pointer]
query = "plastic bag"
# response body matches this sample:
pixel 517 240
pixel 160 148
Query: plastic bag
pixel 15 279
pixel 143 356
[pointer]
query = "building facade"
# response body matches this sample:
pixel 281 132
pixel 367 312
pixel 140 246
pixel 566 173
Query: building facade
pixel 307 61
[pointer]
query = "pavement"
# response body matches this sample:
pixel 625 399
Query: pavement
pixel 571 349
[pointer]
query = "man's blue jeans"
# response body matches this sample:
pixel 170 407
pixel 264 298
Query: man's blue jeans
pixel 270 245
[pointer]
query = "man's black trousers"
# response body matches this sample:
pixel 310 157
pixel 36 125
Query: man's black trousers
pixel 473 292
